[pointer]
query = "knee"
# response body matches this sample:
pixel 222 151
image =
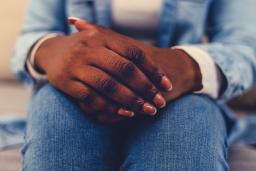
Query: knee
pixel 194 115
pixel 196 125
pixel 55 124
pixel 48 108
pixel 51 112
pixel 54 118
pixel 190 132
pixel 49 99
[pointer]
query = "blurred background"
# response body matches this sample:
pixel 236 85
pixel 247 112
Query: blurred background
pixel 13 96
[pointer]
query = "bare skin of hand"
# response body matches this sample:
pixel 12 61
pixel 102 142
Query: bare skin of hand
pixel 112 76
pixel 106 83
pixel 183 71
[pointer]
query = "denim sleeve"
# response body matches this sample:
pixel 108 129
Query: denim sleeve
pixel 232 43
pixel 43 17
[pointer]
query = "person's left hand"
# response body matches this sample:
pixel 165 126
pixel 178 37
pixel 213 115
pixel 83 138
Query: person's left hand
pixel 180 68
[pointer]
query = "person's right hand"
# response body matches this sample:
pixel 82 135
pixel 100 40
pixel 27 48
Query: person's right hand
pixel 98 77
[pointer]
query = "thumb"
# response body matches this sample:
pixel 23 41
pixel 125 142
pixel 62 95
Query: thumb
pixel 80 24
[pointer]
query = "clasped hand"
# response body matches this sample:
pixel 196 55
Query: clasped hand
pixel 112 76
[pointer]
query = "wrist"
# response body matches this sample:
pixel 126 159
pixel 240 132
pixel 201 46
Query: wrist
pixel 45 53
pixel 183 70
pixel 211 75
pixel 194 75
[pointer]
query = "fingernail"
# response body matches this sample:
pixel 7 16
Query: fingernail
pixel 125 113
pixel 148 108
pixel 72 20
pixel 166 83
pixel 159 100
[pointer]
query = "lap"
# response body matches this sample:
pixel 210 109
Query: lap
pixel 190 134
pixel 187 135
pixel 60 137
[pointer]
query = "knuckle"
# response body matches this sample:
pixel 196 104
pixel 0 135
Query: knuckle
pixel 149 91
pixel 108 86
pixel 154 69
pixel 90 34
pixel 85 96
pixel 76 48
pixel 93 37
pixel 135 54
pixel 111 108
pixel 101 28
pixel 136 103
pixel 156 74
pixel 101 104
pixel 126 69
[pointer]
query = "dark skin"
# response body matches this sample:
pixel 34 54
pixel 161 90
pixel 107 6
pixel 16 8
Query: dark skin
pixel 112 76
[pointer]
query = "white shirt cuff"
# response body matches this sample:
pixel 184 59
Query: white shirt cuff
pixel 30 62
pixel 209 70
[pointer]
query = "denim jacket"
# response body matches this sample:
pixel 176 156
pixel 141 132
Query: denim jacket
pixel 230 26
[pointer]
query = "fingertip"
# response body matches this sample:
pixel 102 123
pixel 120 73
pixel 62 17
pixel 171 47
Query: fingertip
pixel 159 100
pixel 80 24
pixel 166 83
pixel 73 20
pixel 125 113
pixel 149 109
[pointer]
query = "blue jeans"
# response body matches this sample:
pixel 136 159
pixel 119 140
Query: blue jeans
pixel 189 135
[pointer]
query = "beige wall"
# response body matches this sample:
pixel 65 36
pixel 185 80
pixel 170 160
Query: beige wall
pixel 11 17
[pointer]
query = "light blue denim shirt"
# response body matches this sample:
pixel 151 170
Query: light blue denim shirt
pixel 229 24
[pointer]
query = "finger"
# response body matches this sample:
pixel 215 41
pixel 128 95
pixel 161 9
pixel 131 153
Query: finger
pixel 129 74
pixel 92 101
pixel 85 95
pixel 138 57
pixel 108 111
pixel 110 116
pixel 109 119
pixel 131 52
pixel 120 94
pixel 117 112
pixel 80 24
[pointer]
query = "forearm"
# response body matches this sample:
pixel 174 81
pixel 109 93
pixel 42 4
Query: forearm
pixel 238 65
pixel 232 43
pixel 34 28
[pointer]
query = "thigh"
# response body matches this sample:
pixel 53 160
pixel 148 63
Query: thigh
pixel 60 137
pixel 190 134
